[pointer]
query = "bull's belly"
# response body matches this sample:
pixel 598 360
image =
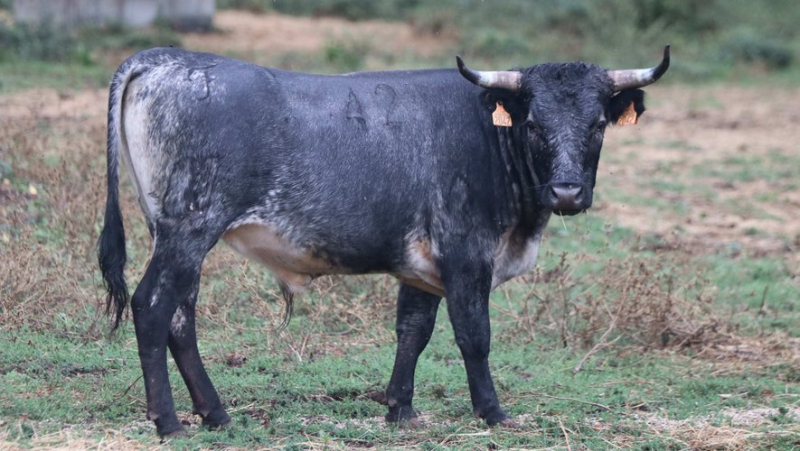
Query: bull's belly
pixel 296 266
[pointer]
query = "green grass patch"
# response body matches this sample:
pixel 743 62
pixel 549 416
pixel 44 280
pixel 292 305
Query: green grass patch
pixel 777 166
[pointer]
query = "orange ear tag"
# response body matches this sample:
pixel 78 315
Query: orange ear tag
pixel 500 116
pixel 629 116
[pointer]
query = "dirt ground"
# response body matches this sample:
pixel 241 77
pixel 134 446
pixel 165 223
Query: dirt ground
pixel 246 33
pixel 691 129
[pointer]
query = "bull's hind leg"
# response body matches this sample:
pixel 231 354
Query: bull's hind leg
pixel 416 316
pixel 170 279
pixel 183 346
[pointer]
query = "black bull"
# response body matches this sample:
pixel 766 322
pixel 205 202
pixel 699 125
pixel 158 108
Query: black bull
pixel 389 172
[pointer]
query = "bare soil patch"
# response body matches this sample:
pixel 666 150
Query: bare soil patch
pixel 47 103
pixel 247 33
pixel 689 135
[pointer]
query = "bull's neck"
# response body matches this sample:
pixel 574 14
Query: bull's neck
pixel 519 177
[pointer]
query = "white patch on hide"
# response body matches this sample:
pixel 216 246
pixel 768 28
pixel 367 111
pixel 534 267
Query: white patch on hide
pixel 178 322
pixel 135 149
pixel 421 270
pixel 510 262
pixel 293 264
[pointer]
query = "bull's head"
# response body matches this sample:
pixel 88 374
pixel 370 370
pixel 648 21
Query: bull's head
pixel 559 114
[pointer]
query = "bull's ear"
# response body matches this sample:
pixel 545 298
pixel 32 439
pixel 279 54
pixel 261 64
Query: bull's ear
pixel 511 103
pixel 626 107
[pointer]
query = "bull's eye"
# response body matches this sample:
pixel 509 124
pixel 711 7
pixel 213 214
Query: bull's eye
pixel 600 127
pixel 532 127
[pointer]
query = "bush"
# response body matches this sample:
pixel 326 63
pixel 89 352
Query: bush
pixel 692 17
pixel 750 47
pixel 44 42
pixel 349 9
pixel 344 57
pixel 256 6
pixel 47 42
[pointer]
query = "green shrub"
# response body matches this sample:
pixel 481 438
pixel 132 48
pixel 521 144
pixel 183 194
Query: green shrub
pixel 256 6
pixel 349 9
pixel 491 43
pixel 750 47
pixel 47 42
pixel 44 42
pixel 345 57
pixel 689 16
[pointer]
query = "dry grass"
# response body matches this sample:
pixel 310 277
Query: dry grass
pixel 48 266
pixel 734 429
pixel 69 440
pixel 641 302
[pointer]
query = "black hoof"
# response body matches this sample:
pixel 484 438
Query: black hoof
pixel 508 423
pixel 175 434
pixel 495 417
pixel 403 417
pixel 216 420
pixel 169 428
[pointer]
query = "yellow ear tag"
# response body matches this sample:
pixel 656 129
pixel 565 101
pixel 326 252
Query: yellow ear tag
pixel 629 116
pixel 500 117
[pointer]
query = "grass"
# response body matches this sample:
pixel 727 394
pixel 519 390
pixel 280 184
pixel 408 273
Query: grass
pixel 21 75
pixel 311 386
pixel 680 341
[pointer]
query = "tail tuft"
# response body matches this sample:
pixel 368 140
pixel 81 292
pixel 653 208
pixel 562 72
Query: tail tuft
pixel 112 258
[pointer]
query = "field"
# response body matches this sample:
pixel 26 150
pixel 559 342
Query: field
pixel 667 317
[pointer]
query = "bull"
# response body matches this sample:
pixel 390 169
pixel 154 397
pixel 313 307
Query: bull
pixel 442 178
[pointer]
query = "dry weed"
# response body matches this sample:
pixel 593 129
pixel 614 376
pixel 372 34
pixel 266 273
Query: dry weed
pixel 734 429
pixel 47 265
pixel 649 303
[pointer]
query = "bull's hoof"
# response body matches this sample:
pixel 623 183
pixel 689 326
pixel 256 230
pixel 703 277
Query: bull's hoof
pixel 508 423
pixel 169 428
pixel 216 420
pixel 404 417
pixel 410 424
pixel 495 417
pixel 174 434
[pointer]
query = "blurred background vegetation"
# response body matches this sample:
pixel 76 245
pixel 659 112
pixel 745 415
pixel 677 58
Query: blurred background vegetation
pixel 712 39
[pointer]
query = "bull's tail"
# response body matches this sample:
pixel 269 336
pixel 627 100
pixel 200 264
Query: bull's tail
pixel 111 247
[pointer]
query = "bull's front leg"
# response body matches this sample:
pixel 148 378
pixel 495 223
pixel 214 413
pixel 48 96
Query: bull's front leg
pixel 416 317
pixel 467 286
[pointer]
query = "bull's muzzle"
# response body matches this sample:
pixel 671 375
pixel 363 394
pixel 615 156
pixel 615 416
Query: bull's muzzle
pixel 567 198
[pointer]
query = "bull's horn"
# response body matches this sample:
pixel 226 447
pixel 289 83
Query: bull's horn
pixel 510 80
pixel 636 78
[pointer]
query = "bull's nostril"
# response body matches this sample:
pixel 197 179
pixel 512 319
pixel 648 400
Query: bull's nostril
pixel 566 196
pixel 567 192
pixel 554 193
pixel 579 194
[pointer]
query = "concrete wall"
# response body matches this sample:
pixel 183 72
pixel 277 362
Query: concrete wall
pixel 183 14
